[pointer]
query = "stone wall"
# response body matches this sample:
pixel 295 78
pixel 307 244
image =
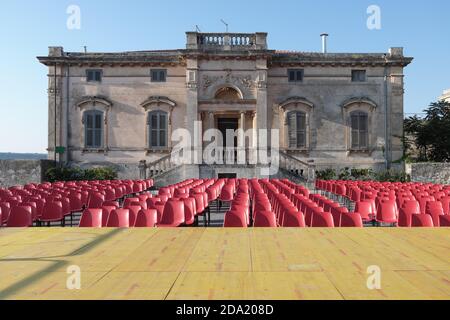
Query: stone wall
pixel 429 172
pixel 21 172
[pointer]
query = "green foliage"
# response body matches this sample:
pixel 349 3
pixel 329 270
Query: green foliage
pixel 431 134
pixel 78 174
pixel 327 174
pixel 362 175
pixel 390 176
pixel 344 174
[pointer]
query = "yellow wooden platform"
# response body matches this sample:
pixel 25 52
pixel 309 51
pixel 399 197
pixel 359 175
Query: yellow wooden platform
pixel 225 263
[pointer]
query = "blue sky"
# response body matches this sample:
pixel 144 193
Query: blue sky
pixel 27 28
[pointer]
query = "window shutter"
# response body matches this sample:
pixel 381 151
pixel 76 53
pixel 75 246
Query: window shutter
pixel 354 131
pixel 301 129
pixel 292 129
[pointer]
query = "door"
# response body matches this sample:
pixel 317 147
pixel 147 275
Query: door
pixel 225 124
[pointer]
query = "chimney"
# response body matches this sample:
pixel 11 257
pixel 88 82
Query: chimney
pixel 324 42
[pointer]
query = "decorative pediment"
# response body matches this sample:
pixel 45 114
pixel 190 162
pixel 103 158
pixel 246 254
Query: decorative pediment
pixel 158 101
pixel 94 101
pixel 360 101
pixel 296 100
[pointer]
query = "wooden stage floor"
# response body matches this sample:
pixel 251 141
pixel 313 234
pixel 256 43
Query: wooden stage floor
pixel 225 263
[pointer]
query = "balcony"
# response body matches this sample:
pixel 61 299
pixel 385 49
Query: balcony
pixel 226 41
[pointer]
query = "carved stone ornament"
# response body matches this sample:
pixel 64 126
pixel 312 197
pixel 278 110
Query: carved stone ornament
pixel 241 80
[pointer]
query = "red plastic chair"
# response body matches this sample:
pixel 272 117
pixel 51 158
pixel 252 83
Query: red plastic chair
pixel 128 201
pixel 227 193
pixel 91 218
pixel 337 215
pixel 444 221
pixel 53 211
pixel 111 204
pixel 322 220
pixel 422 220
pixel 76 205
pixel 265 219
pixel 6 209
pixel 173 215
pixel 134 210
pixel 106 212
pixel 408 208
pixel 189 211
pixel 351 220
pixel 434 209
pixel 294 219
pixel 146 218
pixel 234 219
pixel 33 206
pixel 119 218
pixel 365 209
pixel 387 212
pixel 20 217
pixel 95 200
pixel 446 204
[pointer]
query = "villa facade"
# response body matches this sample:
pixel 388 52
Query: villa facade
pixel 330 109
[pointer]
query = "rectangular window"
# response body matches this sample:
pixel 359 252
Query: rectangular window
pixel 359 134
pixel 157 123
pixel 93 129
pixel 297 130
pixel 158 75
pixel 93 75
pixel 295 75
pixel 358 75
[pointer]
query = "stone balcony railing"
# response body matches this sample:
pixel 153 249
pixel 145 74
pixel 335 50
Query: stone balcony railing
pixel 226 41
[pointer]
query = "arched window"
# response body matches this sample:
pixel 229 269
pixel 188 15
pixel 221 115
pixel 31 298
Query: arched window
pixel 359 130
pixel 93 129
pixel 296 121
pixel 157 129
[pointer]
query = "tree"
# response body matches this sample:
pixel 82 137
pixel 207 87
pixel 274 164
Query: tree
pixel 431 134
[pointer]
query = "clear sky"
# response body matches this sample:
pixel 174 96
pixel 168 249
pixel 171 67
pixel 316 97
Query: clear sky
pixel 28 27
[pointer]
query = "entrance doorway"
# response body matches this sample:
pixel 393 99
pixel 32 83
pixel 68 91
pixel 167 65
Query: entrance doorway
pixel 227 175
pixel 224 124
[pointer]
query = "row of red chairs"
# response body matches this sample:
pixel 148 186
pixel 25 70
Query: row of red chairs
pixel 237 192
pixel 402 204
pixel 53 202
pixel 176 205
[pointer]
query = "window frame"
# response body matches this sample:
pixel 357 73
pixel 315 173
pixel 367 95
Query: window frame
pixel 298 114
pixel 158 130
pixel 158 79
pixel 358 131
pixel 358 79
pixel 100 72
pixel 296 71
pixel 93 130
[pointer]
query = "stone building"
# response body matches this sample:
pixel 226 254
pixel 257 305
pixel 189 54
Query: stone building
pixel 329 108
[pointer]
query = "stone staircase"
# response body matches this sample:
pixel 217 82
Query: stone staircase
pixel 164 171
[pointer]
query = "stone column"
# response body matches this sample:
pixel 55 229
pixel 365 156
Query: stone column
pixel 261 101
pixel 210 120
pixel 192 124
pixel 241 139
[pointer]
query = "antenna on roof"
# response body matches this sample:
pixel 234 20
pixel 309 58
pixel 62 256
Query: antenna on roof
pixel 197 28
pixel 85 49
pixel 226 25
